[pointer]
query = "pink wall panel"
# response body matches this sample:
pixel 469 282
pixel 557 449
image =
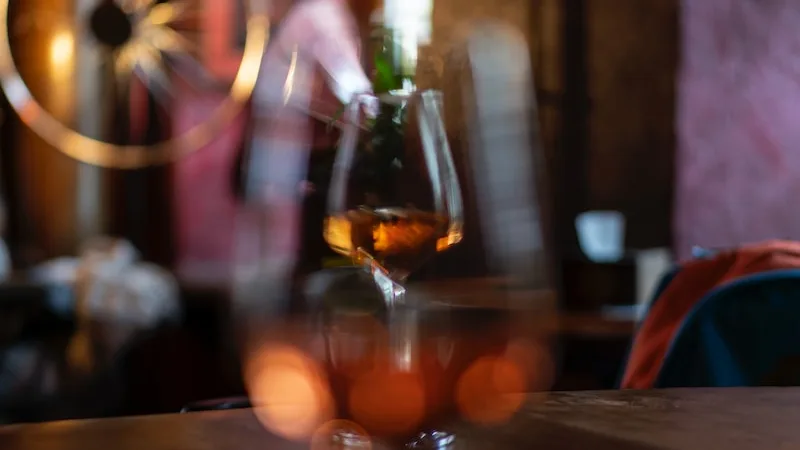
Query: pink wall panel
pixel 738 168
pixel 203 201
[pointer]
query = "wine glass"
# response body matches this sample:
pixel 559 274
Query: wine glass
pixel 393 204
pixel 409 369
pixel 415 366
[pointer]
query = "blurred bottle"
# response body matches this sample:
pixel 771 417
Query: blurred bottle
pixel 311 67
pixel 509 183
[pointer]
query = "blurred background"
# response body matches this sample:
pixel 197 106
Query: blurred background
pixel 628 123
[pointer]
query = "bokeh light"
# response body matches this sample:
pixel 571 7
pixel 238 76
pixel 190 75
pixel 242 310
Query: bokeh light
pixel 62 50
pixel 291 396
pixel 491 390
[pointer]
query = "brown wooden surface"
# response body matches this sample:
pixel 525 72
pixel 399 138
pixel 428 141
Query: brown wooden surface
pixel 734 419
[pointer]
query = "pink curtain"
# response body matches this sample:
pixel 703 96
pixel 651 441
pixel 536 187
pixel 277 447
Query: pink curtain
pixel 738 124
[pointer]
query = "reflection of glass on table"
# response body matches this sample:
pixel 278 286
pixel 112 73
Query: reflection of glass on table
pixel 405 374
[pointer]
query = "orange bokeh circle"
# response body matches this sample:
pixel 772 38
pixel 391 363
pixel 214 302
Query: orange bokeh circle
pixel 490 391
pixel 291 395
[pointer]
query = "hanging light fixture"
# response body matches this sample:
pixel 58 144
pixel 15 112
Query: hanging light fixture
pixel 142 44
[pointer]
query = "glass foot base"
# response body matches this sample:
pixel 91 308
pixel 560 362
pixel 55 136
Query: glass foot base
pixel 341 435
pixel 433 440
pixel 345 437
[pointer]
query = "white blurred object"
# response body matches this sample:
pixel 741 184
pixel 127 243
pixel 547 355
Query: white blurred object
pixel 601 235
pixel 410 22
pixel 5 261
pixel 116 297
pixel 115 287
pixel 411 19
pixel 502 150
pixel 651 265
pixel 56 271
pixel 314 52
pixel 316 34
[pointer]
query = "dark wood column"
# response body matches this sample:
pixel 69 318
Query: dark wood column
pixel 572 159
pixel 57 201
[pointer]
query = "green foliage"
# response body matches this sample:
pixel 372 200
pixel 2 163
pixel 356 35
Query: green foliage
pixel 384 79
pixel 380 152
pixel 386 76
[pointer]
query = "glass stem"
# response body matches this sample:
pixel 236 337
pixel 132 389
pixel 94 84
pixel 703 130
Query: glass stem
pixel 393 292
pixel 402 321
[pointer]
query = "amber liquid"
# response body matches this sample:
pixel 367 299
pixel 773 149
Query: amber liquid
pixel 399 239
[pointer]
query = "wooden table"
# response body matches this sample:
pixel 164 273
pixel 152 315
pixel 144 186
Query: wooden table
pixel 735 419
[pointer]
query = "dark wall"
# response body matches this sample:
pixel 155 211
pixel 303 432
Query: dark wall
pixel 632 57
pixel 609 77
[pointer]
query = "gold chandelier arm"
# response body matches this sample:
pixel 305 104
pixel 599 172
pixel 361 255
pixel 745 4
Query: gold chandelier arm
pixel 104 154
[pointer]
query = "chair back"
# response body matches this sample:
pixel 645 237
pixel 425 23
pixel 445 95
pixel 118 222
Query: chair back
pixel 744 333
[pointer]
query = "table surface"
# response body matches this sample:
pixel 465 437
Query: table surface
pixel 732 419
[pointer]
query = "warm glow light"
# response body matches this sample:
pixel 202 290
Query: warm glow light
pixel 291 396
pixel 62 50
pixel 258 36
pixel 150 20
pixel 490 391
